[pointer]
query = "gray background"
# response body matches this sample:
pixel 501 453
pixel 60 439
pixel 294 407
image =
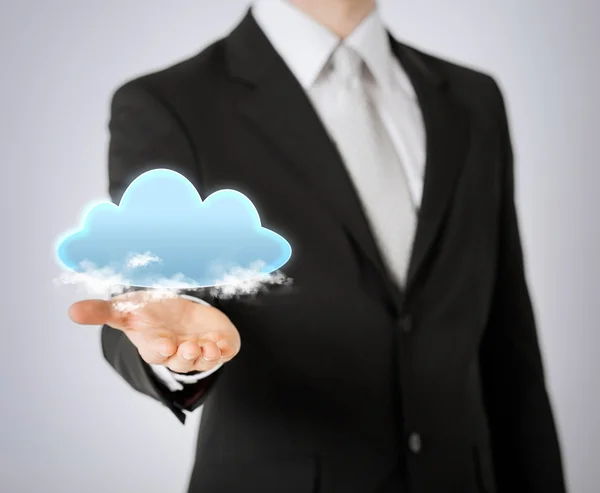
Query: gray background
pixel 68 423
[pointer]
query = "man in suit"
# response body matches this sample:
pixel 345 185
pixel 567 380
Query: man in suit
pixel 404 358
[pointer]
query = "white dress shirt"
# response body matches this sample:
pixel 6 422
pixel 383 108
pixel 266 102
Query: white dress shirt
pixel 306 47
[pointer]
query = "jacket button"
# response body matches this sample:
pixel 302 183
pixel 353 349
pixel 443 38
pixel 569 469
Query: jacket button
pixel 414 443
pixel 405 323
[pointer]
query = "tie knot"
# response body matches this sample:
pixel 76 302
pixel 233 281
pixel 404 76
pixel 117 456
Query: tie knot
pixel 347 63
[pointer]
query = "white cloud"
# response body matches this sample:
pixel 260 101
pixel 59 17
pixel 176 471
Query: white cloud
pixel 105 283
pixel 239 281
pixel 141 260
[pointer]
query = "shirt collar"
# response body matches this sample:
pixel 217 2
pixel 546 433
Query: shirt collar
pixel 303 43
pixel 306 46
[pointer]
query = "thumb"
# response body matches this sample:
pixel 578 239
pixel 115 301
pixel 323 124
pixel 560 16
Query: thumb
pixel 91 312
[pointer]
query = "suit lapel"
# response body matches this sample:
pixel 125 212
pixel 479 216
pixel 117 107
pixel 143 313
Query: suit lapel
pixel 273 101
pixel 447 136
pixel 278 107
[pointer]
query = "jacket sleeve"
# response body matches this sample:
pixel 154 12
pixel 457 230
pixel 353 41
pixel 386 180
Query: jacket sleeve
pixel 525 446
pixel 144 135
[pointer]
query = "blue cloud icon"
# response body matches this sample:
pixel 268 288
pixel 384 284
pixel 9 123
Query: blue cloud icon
pixel 162 231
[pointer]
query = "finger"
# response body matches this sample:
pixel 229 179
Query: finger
pixel 189 351
pixel 90 312
pixel 228 351
pixel 210 352
pixel 203 365
pixel 183 361
pixel 158 351
pixel 210 357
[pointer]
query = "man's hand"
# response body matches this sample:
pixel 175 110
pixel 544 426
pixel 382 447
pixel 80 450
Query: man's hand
pixel 178 333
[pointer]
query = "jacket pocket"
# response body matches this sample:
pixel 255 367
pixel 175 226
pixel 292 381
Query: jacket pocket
pixel 289 476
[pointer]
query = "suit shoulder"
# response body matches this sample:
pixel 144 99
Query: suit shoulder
pixel 470 84
pixel 202 69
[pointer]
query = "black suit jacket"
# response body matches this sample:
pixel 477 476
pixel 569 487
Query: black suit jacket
pixel 345 383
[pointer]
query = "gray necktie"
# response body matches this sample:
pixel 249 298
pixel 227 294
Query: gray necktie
pixel 372 163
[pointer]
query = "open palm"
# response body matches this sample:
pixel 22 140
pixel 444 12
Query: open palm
pixel 179 333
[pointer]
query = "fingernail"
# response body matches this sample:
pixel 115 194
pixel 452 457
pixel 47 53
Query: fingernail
pixel 212 356
pixel 189 356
